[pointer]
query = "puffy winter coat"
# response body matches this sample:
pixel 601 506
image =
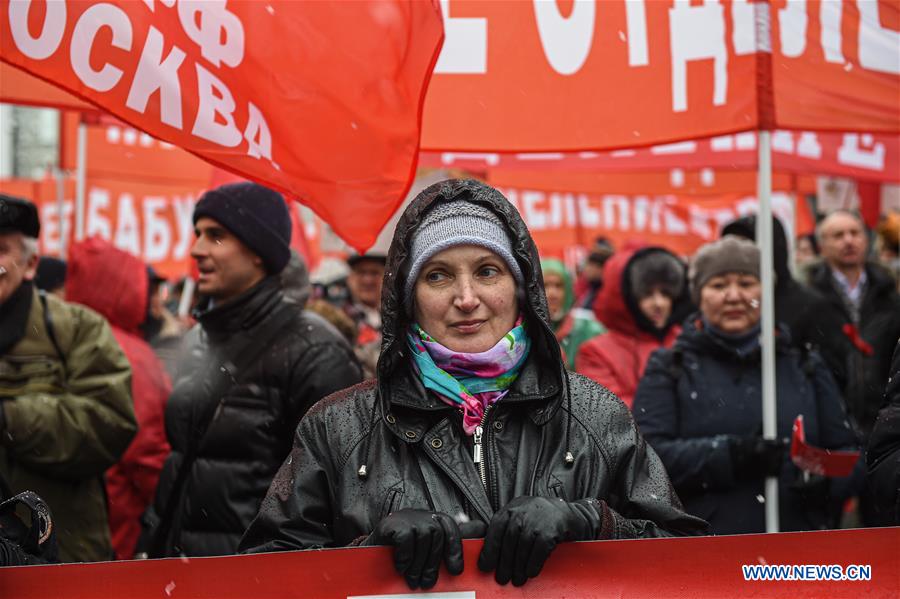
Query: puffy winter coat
pixel 252 424
pixel 617 358
pixel 388 444
pixel 66 423
pixel 114 283
pixel 883 455
pixel 860 361
pixel 697 396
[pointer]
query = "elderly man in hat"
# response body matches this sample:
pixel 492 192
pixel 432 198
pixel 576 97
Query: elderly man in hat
pixel 249 371
pixel 66 413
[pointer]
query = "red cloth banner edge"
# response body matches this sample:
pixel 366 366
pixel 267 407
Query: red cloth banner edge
pixel 695 567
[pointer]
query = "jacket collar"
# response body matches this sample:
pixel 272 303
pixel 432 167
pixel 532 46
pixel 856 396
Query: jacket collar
pixel 535 389
pixel 242 312
pixel 695 337
pixel 14 315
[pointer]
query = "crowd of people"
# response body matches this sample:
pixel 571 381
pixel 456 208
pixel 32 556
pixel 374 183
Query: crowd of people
pixel 474 389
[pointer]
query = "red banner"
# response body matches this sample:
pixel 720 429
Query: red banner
pixel 320 100
pixel 564 223
pixel 855 155
pixel 150 220
pixel 699 568
pixel 585 75
pixel 823 49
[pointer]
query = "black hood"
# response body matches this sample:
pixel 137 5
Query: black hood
pixel 746 227
pixel 395 321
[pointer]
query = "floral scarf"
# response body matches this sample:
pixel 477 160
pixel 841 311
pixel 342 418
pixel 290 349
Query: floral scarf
pixel 472 382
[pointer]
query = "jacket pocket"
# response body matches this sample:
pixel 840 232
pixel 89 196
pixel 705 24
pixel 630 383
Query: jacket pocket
pixel 249 396
pixel 30 374
pixel 392 500
pixel 556 488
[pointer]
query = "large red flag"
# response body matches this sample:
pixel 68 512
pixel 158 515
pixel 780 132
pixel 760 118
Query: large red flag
pixel 320 100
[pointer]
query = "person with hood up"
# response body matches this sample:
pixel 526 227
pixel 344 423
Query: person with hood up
pixel 644 298
pixel 573 326
pixel 699 404
pixel 797 307
pixel 473 426
pixel 114 283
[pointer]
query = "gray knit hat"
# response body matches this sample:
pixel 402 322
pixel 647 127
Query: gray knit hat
pixel 729 254
pixel 455 223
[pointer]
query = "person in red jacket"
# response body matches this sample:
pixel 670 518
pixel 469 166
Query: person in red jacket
pixel 115 284
pixel 643 298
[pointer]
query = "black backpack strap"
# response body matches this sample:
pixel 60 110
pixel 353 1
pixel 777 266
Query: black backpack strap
pixel 223 376
pixel 51 333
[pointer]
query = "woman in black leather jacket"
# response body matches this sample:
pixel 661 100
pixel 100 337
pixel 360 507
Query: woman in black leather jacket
pixel 473 427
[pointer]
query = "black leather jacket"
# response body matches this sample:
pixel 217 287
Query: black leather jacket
pixel 416 455
pixel 252 430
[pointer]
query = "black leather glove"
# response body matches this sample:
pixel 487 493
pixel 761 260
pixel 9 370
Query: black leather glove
pixel 421 539
pixel 526 530
pixel 756 457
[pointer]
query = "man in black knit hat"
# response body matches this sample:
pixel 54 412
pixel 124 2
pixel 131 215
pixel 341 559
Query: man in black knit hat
pixel 248 373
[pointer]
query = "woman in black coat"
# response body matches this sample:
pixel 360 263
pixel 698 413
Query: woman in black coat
pixel 699 404
pixel 473 426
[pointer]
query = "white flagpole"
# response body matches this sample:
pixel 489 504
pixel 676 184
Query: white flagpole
pixel 767 277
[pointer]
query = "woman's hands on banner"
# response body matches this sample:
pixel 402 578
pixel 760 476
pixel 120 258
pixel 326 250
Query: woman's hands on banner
pixel 421 540
pixel 517 542
pixel 523 534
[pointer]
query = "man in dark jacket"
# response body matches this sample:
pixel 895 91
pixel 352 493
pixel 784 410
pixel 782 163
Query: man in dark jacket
pixel 883 455
pixel 860 321
pixel 857 326
pixel 796 306
pixel 250 372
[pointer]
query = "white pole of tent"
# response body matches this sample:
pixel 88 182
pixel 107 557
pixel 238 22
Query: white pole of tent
pixel 767 276
pixel 80 181
pixel 61 210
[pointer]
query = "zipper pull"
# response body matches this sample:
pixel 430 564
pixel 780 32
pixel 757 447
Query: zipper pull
pixel 476 450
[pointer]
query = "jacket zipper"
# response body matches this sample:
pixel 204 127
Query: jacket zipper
pixel 477 450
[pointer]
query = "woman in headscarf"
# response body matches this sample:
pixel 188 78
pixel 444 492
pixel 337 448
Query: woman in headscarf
pixel 699 404
pixel 572 326
pixel 643 300
pixel 473 427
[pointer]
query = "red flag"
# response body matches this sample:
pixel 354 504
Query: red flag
pixel 826 462
pixel 320 100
